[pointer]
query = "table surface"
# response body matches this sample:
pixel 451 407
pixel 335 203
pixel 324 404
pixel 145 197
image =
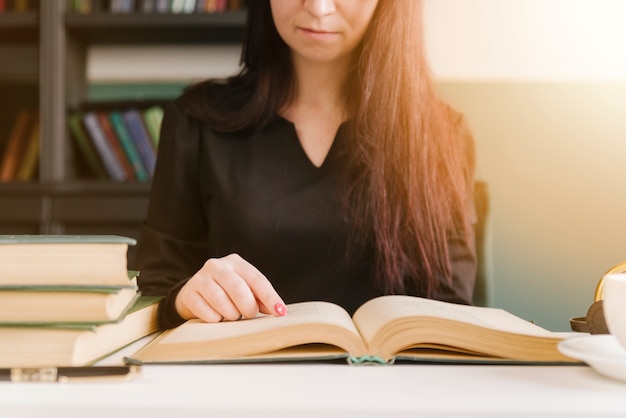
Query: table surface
pixel 328 390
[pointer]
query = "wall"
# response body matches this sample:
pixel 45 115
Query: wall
pixel 543 86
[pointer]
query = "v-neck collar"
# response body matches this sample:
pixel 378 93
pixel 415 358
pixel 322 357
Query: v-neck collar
pixel 332 151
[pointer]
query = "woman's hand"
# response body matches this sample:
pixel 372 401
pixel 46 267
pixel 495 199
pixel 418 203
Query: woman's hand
pixel 228 288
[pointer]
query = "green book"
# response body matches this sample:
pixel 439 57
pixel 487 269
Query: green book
pixel 64 260
pixel 128 145
pixel 153 116
pixel 64 308
pixel 76 345
pixel 75 125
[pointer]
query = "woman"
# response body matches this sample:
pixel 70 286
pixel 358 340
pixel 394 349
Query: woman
pixel 327 169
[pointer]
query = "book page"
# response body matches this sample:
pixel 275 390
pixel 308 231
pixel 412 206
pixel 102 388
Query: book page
pixel 298 314
pixel 377 313
pixel 305 323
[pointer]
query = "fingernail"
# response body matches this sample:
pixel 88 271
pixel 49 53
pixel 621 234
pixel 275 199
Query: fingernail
pixel 280 309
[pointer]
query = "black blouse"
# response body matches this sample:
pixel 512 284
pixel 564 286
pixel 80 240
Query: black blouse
pixel 258 194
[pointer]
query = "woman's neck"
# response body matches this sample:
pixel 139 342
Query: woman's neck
pixel 320 87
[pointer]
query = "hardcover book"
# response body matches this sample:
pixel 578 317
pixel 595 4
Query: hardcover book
pixel 381 331
pixel 44 305
pixel 79 345
pixel 64 260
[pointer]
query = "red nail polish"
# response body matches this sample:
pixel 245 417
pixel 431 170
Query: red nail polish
pixel 280 309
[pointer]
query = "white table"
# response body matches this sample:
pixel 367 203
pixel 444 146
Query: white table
pixel 327 390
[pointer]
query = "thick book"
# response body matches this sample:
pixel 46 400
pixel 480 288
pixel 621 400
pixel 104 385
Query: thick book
pixel 382 331
pixel 76 345
pixel 64 260
pixel 45 305
pixel 35 307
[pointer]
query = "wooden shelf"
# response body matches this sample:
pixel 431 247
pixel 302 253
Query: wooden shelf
pixel 19 27
pixel 45 55
pixel 192 28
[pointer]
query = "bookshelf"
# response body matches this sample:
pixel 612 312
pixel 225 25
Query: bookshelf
pixel 48 49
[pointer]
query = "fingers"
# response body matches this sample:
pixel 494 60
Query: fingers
pixel 266 298
pixel 228 288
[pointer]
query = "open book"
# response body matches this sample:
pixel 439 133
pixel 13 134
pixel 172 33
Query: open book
pixel 383 330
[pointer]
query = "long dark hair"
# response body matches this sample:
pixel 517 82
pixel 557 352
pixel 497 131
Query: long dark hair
pixel 410 163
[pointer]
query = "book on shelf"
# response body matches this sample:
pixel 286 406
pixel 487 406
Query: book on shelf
pixel 88 6
pixel 76 345
pixel 112 164
pixel 152 6
pixel 115 144
pixel 70 305
pixel 16 144
pixel 118 139
pixel 124 137
pixel 153 117
pixel 182 6
pixel 27 168
pixel 133 120
pixel 64 260
pixel 122 6
pixel 162 6
pixel 85 145
pixel 18 5
pixel 148 6
pixel 384 330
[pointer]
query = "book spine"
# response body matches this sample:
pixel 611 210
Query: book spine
pixel 85 146
pixel 211 6
pixel 28 165
pixel 82 6
pixel 163 6
pixel 20 5
pixel 141 138
pixel 129 147
pixel 148 6
pixel 153 117
pixel 115 145
pixel 111 163
pixel 177 6
pixel 15 146
pixel 189 6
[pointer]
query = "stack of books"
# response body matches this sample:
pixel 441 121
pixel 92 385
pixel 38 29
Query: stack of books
pixel 68 300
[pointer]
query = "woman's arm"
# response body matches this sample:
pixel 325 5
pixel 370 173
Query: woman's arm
pixel 173 237
pixel 173 256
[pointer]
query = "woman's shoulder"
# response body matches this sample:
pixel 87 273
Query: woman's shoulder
pixel 202 95
pixel 216 103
